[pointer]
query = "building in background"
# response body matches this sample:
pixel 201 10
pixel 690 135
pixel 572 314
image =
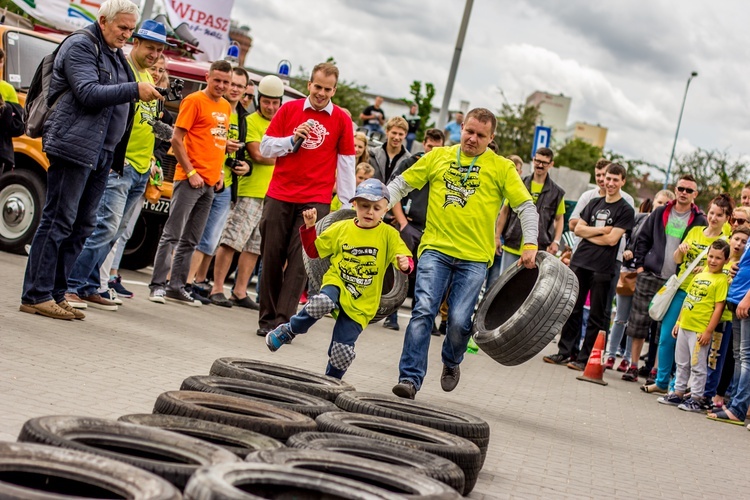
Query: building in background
pixel 595 135
pixel 553 111
pixel 241 34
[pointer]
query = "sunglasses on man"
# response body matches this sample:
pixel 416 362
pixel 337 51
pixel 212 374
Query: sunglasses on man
pixel 685 190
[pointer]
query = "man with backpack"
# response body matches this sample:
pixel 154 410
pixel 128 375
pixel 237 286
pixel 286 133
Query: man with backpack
pixel 94 93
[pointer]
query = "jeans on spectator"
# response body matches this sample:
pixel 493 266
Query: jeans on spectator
pixel 508 259
pixel 217 216
pixel 68 218
pixel 494 272
pixel 717 355
pixel 112 261
pixel 434 273
pixel 741 398
pixel 624 304
pixel 410 140
pixel 374 127
pixel 122 194
pixel 667 342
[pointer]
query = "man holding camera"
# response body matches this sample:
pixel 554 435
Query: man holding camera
pixel 122 192
pixel 242 232
pixel 199 144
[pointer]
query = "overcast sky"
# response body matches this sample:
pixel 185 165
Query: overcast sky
pixel 624 64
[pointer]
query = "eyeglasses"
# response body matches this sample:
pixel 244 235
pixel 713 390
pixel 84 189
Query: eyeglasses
pixel 739 221
pixel 248 96
pixel 541 163
pixel 685 190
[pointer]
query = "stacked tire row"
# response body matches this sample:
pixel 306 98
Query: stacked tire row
pixel 252 430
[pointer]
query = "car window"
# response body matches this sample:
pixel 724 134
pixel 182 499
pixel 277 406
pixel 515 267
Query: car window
pixel 23 53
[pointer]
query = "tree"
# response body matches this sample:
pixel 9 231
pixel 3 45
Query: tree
pixel 515 129
pixel 424 105
pixel 714 172
pixel 349 95
pixel 578 154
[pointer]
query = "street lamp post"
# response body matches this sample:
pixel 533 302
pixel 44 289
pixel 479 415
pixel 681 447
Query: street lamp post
pixel 677 132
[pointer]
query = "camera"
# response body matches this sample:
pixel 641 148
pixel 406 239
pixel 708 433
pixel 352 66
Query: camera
pixel 233 163
pixel 174 92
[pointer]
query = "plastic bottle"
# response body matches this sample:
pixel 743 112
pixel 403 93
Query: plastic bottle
pixel 472 347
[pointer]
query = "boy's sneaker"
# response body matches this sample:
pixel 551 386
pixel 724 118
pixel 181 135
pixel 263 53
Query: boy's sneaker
pixel 610 363
pixel 624 364
pixel 278 337
pixel 631 375
pixel 671 399
pixel 116 285
pixel 693 405
pixel 556 359
pixel 157 295
pixel 112 295
pixel 182 296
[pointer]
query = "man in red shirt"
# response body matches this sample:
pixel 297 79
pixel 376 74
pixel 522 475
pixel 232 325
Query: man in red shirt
pixel 301 180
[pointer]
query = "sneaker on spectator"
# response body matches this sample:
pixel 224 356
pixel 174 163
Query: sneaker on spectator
pixel 693 405
pixel 157 295
pixel 671 399
pixel 198 297
pixel 405 389
pixel 112 295
pixel 202 288
pixel 183 297
pixel 116 285
pixel 624 364
pixel 631 375
pixel 303 298
pixel 556 359
pixel 96 301
pixel 577 366
pixel 643 371
pixel 651 377
pixel 610 363
pixel 75 301
pixel 278 337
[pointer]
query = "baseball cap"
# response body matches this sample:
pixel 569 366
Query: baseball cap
pixel 372 189
pixel 153 31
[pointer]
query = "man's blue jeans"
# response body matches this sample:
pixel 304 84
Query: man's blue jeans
pixel 68 218
pixel 122 194
pixel 667 342
pixel 434 273
pixel 741 399
pixel 217 217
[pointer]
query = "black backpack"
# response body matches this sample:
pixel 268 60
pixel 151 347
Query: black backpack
pixel 38 108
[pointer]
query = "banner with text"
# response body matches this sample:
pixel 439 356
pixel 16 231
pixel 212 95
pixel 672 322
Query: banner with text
pixel 66 15
pixel 208 21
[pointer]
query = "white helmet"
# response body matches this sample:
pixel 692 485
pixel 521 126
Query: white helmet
pixel 271 86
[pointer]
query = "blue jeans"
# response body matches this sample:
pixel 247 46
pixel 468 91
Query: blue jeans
pixel 122 194
pixel 741 398
pixel 434 273
pixel 624 304
pixel 125 237
pixel 374 127
pixel 716 357
pixel 410 140
pixel 217 217
pixel 68 218
pixel 493 273
pixel 508 259
pixel 667 342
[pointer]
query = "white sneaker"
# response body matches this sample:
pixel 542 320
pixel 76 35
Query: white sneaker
pixel 110 294
pixel 157 295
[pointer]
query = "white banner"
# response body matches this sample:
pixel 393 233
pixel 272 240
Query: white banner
pixel 66 15
pixel 208 21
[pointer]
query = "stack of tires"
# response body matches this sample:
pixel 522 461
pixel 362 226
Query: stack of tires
pixel 249 430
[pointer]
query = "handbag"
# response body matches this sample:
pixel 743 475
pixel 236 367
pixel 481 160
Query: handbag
pixel 659 305
pixel 626 283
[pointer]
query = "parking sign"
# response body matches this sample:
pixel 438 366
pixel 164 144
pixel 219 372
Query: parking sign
pixel 542 139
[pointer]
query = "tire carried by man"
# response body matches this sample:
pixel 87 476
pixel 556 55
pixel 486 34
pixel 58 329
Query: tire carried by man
pixel 524 310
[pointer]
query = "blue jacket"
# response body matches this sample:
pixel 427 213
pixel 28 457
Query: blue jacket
pixel 741 283
pixel 78 126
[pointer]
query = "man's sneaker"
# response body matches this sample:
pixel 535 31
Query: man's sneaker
pixel 182 296
pixel 278 337
pixel 391 325
pixel 116 285
pixel 631 375
pixel 556 359
pixel 202 288
pixel 643 371
pixel 450 377
pixel 76 313
pixel 651 377
pixel 577 366
pixel 624 364
pixel 157 295
pixel 610 363
pixel 671 399
pixel 262 332
pixel 693 405
pixel 48 309
pixel 405 389
pixel 112 295
pixel 197 296
pixel 75 301
pixel 96 301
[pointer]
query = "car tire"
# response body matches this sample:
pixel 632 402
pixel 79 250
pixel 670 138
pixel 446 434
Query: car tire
pixel 140 249
pixel 22 195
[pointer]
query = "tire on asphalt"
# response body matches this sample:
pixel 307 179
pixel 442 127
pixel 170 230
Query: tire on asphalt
pixel 458 450
pixel 167 454
pixel 395 284
pixel 256 481
pixel 418 461
pixel 287 377
pixel 288 399
pixel 37 472
pixel 524 310
pixel 441 418
pixel 241 442
pixel 385 476
pixel 263 418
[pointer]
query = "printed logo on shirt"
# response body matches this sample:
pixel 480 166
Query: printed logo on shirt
pixel 675 227
pixel 458 185
pixel 147 112
pixel 698 291
pixel 316 137
pixel 219 132
pixel 358 267
pixel 601 218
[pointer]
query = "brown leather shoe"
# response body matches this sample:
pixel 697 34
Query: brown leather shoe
pixel 48 308
pixel 98 302
pixel 64 305
pixel 75 301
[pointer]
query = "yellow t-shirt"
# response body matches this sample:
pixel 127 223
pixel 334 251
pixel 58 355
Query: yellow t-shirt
pixel 335 203
pixel 463 203
pixel 141 144
pixel 698 242
pixel 8 92
pixel 359 258
pixel 232 133
pixel 706 289
pixel 256 185
pixel 536 189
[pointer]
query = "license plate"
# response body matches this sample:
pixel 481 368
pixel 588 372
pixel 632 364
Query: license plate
pixel 160 207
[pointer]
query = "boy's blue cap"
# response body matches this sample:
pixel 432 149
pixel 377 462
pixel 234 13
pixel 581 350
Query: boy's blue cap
pixel 373 190
pixel 153 31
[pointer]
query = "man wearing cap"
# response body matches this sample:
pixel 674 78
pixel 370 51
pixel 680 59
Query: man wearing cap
pixel 85 137
pixel 123 191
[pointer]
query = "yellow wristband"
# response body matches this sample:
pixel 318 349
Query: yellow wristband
pixel 191 173
pixel 529 246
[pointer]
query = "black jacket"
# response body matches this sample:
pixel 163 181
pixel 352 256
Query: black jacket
pixel 415 202
pixel 11 125
pixel 546 205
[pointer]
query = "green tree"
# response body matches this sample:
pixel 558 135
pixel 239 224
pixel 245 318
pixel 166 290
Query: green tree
pixel 515 129
pixel 578 154
pixel 424 105
pixel 349 95
pixel 714 172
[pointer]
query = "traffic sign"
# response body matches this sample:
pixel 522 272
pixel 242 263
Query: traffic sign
pixel 542 139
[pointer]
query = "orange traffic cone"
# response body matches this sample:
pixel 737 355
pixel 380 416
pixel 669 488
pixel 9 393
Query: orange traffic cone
pixel 594 371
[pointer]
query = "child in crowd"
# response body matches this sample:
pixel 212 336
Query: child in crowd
pixel 699 318
pixel 360 250
pixel 364 171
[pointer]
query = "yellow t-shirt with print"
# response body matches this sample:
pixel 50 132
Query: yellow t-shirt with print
pixel 536 190
pixel 8 92
pixel 463 203
pixel 706 289
pixel 698 242
pixel 141 143
pixel 232 133
pixel 359 258
pixel 256 185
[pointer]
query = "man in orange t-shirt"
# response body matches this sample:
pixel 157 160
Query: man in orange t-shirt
pixel 199 144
